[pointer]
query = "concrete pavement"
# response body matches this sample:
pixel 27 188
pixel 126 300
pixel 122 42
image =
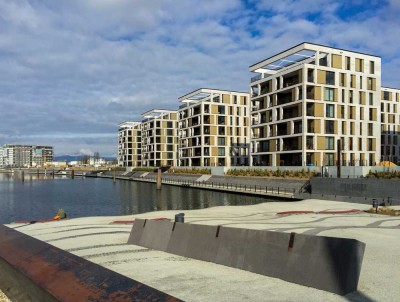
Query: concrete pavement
pixel 98 240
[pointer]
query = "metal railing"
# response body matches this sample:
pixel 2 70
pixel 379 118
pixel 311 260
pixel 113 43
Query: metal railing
pixel 262 190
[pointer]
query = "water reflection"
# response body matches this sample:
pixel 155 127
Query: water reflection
pixel 40 197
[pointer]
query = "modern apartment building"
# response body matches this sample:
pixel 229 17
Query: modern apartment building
pixel 308 97
pixel 159 138
pixel 390 125
pixel 214 128
pixel 26 155
pixel 130 144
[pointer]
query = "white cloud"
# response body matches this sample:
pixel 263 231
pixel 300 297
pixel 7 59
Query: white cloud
pixel 82 67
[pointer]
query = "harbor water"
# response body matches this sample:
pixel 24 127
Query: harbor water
pixel 40 197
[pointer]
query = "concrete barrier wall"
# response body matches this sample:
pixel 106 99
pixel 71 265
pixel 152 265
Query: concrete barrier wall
pixel 361 187
pixel 32 270
pixel 326 263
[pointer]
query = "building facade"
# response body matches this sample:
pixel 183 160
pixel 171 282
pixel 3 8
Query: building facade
pixel 390 125
pixel 214 128
pixel 308 97
pixel 26 155
pixel 159 138
pixel 130 144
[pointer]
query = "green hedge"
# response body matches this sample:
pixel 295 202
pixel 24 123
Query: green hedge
pixel 384 175
pixel 190 171
pixel 269 173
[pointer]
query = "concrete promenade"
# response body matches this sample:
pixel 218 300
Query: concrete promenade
pixel 101 241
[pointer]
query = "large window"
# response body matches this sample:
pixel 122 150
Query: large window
pixel 330 78
pixel 330 110
pixel 329 143
pixel 329 94
pixel 221 141
pixel 329 127
pixel 221 151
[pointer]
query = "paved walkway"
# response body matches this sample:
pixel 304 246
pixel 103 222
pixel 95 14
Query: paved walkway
pixel 99 240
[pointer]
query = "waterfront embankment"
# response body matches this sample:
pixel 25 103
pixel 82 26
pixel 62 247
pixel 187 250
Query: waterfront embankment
pixel 102 241
pixel 278 188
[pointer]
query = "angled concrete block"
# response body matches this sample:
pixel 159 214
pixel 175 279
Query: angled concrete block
pixel 136 232
pixel 202 242
pixel 232 247
pixel 179 239
pixel 156 234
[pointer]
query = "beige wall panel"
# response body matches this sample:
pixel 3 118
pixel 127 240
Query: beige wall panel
pixel 321 76
pixel 174 116
pixel 335 94
pixel 242 100
pixel 318 110
pixel 317 92
pixel 335 127
pixel 317 126
pixel 214 108
pixel 317 159
pixel 226 98
pixel 374 144
pixel 213 130
pixel 214 151
pixel 358 64
pixel 374 114
pixel 363 98
pixel 320 143
pixel 339 111
pixel 337 61
pixel 272 145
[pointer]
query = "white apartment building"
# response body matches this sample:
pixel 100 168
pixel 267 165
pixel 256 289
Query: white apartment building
pixel 26 155
pixel 308 97
pixel 214 128
pixel 390 125
pixel 159 138
pixel 130 144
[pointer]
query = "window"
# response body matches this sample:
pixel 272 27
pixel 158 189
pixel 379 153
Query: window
pixel 235 99
pixel 342 81
pixel 347 63
pixel 330 78
pixel 370 84
pixel 370 129
pixel 330 110
pixel 329 159
pixel 221 151
pixel 351 96
pixel 221 109
pixel 169 125
pixel 221 141
pixel 329 143
pixel 370 144
pixel 329 127
pixel 371 67
pixel 386 95
pixel 359 144
pixel 371 98
pixel 329 94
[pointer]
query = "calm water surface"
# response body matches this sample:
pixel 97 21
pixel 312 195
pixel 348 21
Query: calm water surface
pixel 40 197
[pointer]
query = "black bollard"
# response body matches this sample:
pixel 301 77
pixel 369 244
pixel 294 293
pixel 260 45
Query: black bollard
pixel 180 217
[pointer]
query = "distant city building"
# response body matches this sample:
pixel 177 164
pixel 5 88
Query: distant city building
pixel 25 155
pixel 159 138
pixel 129 144
pixel 214 128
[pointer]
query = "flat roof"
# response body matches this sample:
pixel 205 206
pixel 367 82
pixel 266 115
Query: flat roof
pixel 157 112
pixel 291 53
pixel 203 93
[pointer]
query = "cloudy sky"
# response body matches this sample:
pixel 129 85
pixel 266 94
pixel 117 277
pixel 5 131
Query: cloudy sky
pixel 72 70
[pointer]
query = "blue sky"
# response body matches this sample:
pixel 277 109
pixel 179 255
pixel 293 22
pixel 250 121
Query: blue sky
pixel 70 71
